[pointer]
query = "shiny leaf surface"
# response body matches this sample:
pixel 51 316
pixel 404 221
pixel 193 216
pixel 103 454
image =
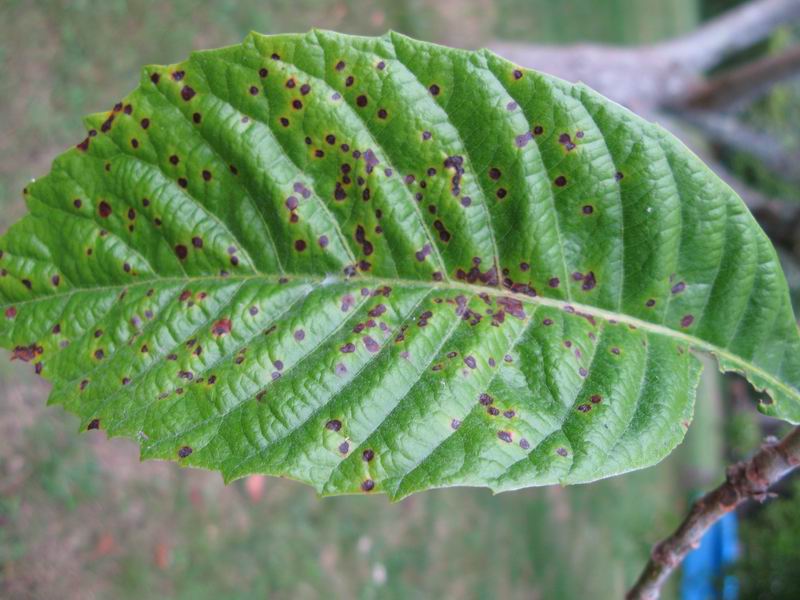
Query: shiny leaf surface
pixel 379 265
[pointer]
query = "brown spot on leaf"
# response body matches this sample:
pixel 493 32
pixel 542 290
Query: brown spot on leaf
pixel 221 327
pixel 187 93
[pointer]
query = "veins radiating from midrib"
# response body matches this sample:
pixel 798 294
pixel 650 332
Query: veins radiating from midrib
pixel 484 191
pixel 391 162
pixel 249 193
pixel 339 393
pixel 123 151
pixel 286 155
pixel 104 367
pixel 82 217
pixel 547 171
pixel 514 342
pixel 375 431
pixel 235 350
pixel 656 328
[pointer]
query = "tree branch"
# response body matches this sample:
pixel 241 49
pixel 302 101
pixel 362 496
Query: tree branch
pixel 743 85
pixel 645 78
pixel 735 30
pixel 731 134
pixel 744 481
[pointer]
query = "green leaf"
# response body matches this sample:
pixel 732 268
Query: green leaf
pixel 376 264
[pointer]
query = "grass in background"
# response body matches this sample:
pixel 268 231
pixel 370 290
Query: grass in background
pixel 81 518
pixel 610 21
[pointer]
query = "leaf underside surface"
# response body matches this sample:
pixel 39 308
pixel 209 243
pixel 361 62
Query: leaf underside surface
pixel 380 265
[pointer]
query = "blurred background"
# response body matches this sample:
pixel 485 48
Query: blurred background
pixel 80 517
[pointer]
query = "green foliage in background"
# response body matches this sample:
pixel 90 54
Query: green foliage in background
pixel 375 264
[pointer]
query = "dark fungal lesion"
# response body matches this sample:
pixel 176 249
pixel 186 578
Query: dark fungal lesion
pixel 187 93
pixel 566 141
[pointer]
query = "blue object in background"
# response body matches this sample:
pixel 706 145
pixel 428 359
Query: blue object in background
pixel 704 567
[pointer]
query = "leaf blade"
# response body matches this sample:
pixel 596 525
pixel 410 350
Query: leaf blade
pixel 445 271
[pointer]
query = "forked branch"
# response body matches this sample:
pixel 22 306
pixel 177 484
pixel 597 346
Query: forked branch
pixel 745 480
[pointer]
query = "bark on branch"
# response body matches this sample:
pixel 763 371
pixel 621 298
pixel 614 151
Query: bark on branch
pixel 743 85
pixel 735 30
pixel 745 480
pixel 645 78
pixel 731 134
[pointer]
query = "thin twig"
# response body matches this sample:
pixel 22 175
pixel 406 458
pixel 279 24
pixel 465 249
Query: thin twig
pixel 741 86
pixel 745 480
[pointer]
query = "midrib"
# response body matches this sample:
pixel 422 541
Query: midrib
pixel 694 342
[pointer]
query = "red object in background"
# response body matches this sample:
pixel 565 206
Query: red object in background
pixel 255 487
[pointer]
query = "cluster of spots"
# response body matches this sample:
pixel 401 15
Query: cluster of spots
pixel 373 321
pixel 423 253
pixel 512 306
pixel 361 239
pixel 488 277
pixel 493 411
pixel 585 407
pixel 27 354
pixel 456 163
pixel 589 280
pixel 444 235
pixel 566 140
